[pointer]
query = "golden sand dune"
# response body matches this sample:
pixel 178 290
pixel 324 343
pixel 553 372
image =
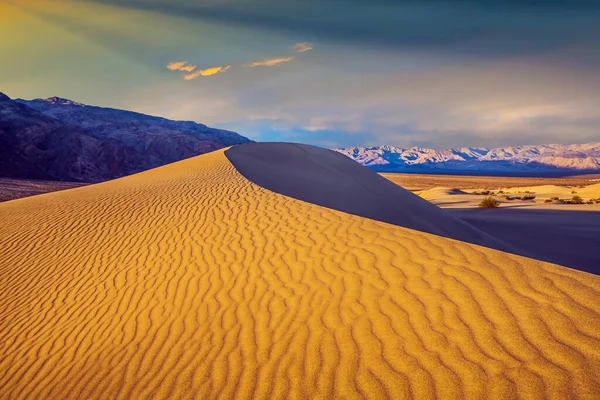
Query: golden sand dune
pixel 332 180
pixel 440 192
pixel 189 281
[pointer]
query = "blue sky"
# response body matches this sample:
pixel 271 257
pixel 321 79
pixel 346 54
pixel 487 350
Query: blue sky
pixel 328 72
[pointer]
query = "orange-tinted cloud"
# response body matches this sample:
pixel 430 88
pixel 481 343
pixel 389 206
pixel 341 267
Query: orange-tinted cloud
pixel 302 47
pixel 181 66
pixel 206 72
pixel 272 62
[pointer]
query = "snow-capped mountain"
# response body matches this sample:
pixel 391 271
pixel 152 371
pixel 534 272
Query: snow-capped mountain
pixel 531 159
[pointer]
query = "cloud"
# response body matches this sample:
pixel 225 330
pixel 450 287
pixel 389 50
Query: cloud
pixel 443 105
pixel 272 62
pixel 302 47
pixel 483 29
pixel 437 85
pixel 181 66
pixel 206 72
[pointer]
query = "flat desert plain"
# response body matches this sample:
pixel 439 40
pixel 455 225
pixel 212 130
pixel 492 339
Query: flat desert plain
pixel 193 281
pixel 417 182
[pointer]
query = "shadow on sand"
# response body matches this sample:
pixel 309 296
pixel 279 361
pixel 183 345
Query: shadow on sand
pixel 569 238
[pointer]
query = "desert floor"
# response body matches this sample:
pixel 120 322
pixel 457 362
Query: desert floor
pixel 417 182
pixel 192 281
pixel 11 189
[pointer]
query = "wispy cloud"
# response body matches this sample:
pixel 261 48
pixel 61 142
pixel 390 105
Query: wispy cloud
pixel 181 66
pixel 302 47
pixel 206 72
pixel 272 62
pixel 193 72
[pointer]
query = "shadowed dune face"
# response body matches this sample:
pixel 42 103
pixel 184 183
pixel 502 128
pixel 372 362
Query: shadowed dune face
pixel 191 281
pixel 330 179
pixel 569 238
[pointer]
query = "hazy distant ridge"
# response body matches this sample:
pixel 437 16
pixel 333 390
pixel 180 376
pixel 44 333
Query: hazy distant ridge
pixel 530 158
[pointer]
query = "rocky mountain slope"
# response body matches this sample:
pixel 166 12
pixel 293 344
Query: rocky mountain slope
pixel 534 159
pixel 58 139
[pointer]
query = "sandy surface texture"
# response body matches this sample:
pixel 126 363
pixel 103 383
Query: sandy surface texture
pixel 330 179
pixel 11 189
pixel 416 182
pixel 189 281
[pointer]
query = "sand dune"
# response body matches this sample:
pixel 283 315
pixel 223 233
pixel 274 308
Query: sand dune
pixel 189 281
pixel 548 191
pixel 438 193
pixel 330 179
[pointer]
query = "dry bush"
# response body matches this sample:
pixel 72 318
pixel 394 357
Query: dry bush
pixel 489 202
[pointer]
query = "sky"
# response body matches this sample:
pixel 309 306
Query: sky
pixel 333 73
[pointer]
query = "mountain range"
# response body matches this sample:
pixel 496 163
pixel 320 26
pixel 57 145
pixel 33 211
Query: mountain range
pixel 545 159
pixel 59 139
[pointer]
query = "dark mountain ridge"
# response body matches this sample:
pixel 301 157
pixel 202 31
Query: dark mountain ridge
pixel 59 139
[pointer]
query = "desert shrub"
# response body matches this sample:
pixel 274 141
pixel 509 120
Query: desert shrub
pixel 548 201
pixel 518 198
pixel 576 200
pixel 500 191
pixel 554 198
pixel 573 192
pixel 529 197
pixel 485 192
pixel 489 202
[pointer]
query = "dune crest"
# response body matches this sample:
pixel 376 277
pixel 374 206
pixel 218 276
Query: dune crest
pixel 330 179
pixel 189 281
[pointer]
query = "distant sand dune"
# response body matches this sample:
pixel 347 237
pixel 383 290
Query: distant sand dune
pixel 189 281
pixel 547 191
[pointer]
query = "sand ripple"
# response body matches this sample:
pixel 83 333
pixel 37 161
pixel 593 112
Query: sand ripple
pixel 188 281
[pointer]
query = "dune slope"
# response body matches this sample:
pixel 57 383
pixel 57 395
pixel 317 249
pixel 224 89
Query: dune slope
pixel 330 179
pixel 189 281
